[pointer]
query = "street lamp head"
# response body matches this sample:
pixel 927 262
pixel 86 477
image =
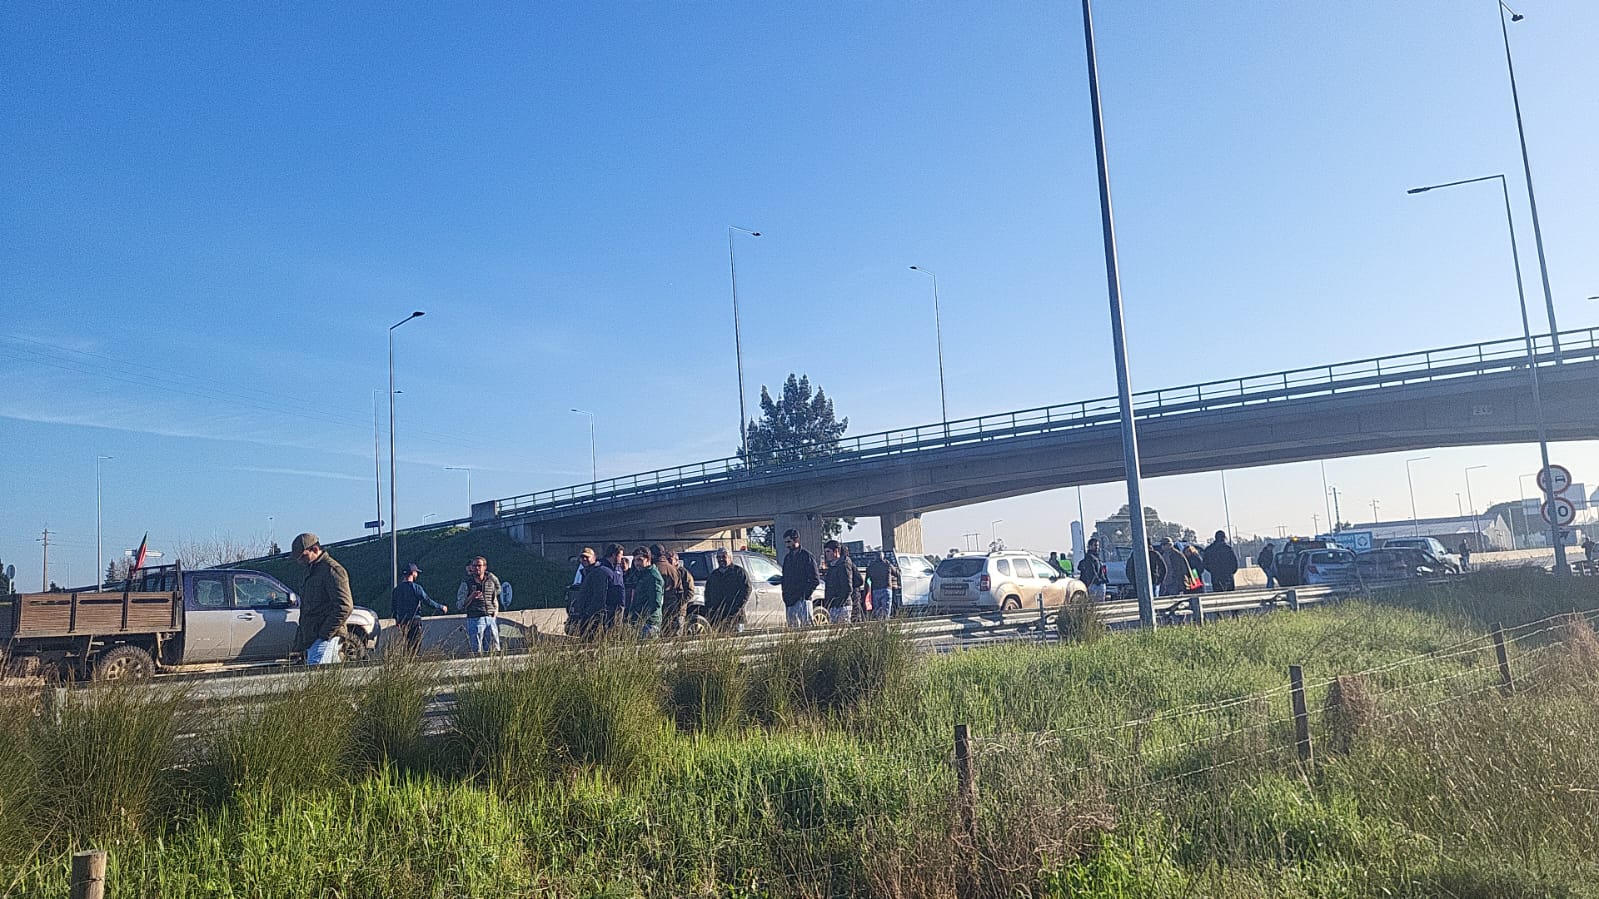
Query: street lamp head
pixel 1418 190
pixel 755 234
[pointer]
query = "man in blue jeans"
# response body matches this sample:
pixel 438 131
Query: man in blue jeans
pixel 325 602
pixel 479 598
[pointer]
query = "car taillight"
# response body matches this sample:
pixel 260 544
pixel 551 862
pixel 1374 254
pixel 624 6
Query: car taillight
pixel 983 584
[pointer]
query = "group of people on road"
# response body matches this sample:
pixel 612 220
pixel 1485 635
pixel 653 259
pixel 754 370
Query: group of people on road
pixel 1174 570
pixel 641 591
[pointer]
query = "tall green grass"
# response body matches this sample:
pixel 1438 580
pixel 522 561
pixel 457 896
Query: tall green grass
pixel 1138 765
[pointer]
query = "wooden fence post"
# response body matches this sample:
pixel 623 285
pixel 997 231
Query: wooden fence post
pixel 88 874
pixel 1296 679
pixel 966 803
pixel 1506 683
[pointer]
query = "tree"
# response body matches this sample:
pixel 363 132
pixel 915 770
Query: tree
pixel 214 551
pixel 797 427
pixel 5 582
pixel 1118 528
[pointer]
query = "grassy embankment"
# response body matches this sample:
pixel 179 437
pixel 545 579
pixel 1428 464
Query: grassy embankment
pixel 442 555
pixel 1137 765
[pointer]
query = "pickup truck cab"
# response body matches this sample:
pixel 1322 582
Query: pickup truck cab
pixel 173 619
pixel 1450 560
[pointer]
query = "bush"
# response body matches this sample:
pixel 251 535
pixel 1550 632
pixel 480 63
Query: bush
pixel 1080 621
pixel 101 762
pixel 299 741
pixel 706 688
pixel 837 674
pixel 388 720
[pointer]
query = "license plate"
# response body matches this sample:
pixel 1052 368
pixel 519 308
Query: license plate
pixel 954 588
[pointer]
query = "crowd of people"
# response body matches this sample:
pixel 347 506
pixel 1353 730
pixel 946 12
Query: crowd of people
pixel 1174 570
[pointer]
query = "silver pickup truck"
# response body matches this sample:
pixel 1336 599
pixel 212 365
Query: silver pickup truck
pixel 167 619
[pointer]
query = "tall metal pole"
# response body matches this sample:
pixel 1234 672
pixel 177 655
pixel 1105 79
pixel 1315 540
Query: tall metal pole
pixel 1226 508
pixel 1338 514
pixel 1475 522
pixel 938 334
pixel 738 344
pixel 377 453
pixel 594 465
pixel 1135 499
pixel 1415 524
pixel 394 515
pixel 1332 523
pixel 99 541
pixel 1561 567
pixel 1532 200
pixel 468 483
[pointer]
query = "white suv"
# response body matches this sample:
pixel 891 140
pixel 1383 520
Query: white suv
pixel 1000 580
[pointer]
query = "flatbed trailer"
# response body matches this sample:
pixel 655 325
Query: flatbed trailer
pixel 89 632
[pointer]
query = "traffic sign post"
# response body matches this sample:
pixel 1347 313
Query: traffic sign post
pixel 1554 479
pixel 1559 511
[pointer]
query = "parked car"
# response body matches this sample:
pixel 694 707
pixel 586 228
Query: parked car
pixel 1440 552
pixel 915 582
pixel 1396 564
pixel 765 607
pixel 1000 580
pixel 1327 566
pixel 1290 572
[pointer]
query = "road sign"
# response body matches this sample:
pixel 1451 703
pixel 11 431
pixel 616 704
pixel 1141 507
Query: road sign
pixel 372 525
pixel 1359 541
pixel 1554 479
pixel 1559 511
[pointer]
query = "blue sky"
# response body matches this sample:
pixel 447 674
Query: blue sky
pixel 210 216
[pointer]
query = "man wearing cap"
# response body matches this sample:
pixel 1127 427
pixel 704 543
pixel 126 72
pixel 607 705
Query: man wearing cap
pixel 325 603
pixel 405 602
pixel 479 597
pixel 799 580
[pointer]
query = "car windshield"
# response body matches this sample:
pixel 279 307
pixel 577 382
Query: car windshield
pixel 695 565
pixel 961 567
pixel 759 567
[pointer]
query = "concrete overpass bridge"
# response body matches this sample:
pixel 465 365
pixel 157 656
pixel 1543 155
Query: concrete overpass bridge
pixel 1466 395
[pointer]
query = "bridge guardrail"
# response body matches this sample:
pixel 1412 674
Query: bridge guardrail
pixel 1325 380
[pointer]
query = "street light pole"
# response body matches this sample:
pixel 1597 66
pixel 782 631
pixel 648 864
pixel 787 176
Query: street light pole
pixel 377 462
pixel 1332 525
pixel 99 541
pixel 1532 201
pixel 468 484
pixel 1521 492
pixel 394 537
pixel 1226 508
pixel 594 465
pixel 1415 524
pixel 1124 393
pixel 738 344
pixel 1532 356
pixel 995 525
pixel 1475 522
pixel 938 333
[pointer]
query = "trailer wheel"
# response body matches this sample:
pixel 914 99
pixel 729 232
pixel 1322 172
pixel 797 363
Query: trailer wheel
pixel 124 663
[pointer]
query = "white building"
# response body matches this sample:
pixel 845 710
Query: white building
pixel 1481 533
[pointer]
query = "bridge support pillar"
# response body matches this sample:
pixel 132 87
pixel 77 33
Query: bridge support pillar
pixel 902 532
pixel 809 525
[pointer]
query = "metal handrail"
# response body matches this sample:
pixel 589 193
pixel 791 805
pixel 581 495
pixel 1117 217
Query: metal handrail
pixel 1362 374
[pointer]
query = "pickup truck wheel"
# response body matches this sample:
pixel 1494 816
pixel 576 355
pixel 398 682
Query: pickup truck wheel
pixel 124 663
pixel 354 647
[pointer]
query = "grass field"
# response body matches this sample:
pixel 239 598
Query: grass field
pixel 442 555
pixel 1150 764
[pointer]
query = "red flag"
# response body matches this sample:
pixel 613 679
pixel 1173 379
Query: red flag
pixel 138 557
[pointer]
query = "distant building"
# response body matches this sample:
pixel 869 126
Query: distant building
pixel 1482 533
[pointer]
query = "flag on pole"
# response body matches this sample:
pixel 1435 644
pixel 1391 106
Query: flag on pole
pixel 138 556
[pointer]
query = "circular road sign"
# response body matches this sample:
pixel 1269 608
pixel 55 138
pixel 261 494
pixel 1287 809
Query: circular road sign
pixel 1554 480
pixel 1559 511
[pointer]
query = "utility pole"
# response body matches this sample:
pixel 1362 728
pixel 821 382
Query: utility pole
pixel 1374 505
pixel 1338 515
pixel 44 580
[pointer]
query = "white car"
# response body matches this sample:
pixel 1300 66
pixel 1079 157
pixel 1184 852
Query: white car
pixel 1002 580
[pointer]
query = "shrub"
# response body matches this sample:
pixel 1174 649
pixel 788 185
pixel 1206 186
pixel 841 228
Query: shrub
pixel 389 716
pixel 706 687
pixel 299 741
pixel 1080 621
pixel 1349 711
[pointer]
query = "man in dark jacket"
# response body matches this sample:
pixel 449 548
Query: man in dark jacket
pixel 615 586
pixel 405 602
pixel 479 597
pixel 1268 564
pixel 799 580
pixel 1222 563
pixel 884 578
pixel 727 589
pixel 838 591
pixel 1093 571
pixel 588 606
pixel 1157 572
pixel 325 603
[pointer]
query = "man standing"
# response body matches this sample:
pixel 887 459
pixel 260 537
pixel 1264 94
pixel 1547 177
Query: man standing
pixel 479 597
pixel 884 578
pixel 615 565
pixel 1222 563
pixel 1093 571
pixel 325 603
pixel 1465 556
pixel 645 594
pixel 1268 564
pixel 672 602
pixel 589 604
pixel 726 591
pixel 1176 568
pixel 799 580
pixel 839 588
pixel 406 602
